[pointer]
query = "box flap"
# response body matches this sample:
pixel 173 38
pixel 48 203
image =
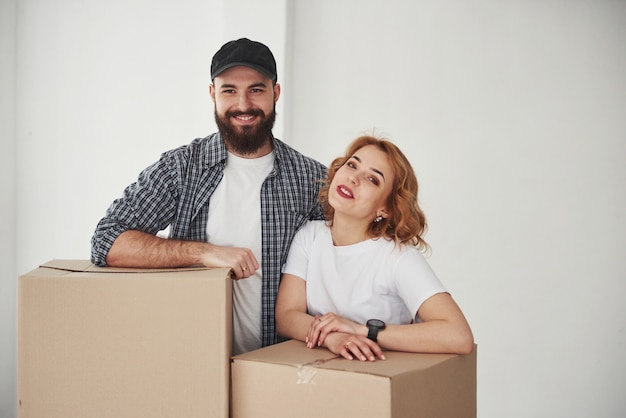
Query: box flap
pixel 292 352
pixel 87 266
pixel 295 353
pixel 396 363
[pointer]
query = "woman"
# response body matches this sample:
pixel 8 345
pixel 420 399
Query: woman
pixel 358 283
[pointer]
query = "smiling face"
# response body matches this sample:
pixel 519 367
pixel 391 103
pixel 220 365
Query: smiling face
pixel 361 187
pixel 245 110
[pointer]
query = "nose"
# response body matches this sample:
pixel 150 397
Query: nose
pixel 353 178
pixel 244 101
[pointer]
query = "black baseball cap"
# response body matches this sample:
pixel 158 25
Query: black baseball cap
pixel 247 53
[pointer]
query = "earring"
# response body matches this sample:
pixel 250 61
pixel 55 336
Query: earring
pixel 378 219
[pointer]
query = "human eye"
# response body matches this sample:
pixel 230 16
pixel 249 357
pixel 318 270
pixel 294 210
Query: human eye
pixel 257 88
pixel 374 180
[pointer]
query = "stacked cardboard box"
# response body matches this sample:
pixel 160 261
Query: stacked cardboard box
pixel 106 342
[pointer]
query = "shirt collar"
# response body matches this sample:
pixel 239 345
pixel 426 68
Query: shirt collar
pixel 217 151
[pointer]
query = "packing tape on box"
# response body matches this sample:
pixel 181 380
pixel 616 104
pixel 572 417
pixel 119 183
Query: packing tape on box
pixel 307 372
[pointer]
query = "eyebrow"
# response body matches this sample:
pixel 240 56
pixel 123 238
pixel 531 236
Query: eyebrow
pixel 375 170
pixel 232 86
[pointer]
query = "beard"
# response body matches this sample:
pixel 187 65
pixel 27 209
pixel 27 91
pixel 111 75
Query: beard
pixel 246 140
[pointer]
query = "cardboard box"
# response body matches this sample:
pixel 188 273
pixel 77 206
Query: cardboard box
pixel 107 342
pixel 290 380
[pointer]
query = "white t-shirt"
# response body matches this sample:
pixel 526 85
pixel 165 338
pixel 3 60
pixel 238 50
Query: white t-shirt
pixel 370 279
pixel 235 220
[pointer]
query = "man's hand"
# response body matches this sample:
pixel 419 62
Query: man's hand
pixel 142 250
pixel 241 260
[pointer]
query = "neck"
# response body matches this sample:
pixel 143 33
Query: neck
pixel 348 231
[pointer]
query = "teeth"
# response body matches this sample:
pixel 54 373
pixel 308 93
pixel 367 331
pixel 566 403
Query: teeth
pixel 345 191
pixel 244 117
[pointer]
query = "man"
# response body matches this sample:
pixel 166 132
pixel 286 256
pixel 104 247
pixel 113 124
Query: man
pixel 233 199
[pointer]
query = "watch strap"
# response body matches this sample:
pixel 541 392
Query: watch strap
pixel 372 332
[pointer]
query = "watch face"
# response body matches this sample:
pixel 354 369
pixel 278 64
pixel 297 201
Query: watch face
pixel 375 323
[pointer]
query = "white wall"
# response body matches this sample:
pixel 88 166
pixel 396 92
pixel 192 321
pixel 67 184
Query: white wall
pixel 512 113
pixel 103 89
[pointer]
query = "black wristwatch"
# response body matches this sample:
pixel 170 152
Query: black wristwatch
pixel 374 325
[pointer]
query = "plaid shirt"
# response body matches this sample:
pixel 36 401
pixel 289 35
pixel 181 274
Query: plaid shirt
pixel 175 191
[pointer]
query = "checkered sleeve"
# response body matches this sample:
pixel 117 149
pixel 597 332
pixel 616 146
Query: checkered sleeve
pixel 147 205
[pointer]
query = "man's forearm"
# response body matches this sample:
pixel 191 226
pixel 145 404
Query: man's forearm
pixel 142 250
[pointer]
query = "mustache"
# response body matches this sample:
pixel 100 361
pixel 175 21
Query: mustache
pixel 251 112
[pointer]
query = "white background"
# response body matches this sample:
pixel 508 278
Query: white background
pixel 512 113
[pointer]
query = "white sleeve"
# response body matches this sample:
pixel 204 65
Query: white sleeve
pixel 298 259
pixel 415 280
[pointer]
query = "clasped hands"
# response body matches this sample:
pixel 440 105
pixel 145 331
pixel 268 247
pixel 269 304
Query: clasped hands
pixel 343 337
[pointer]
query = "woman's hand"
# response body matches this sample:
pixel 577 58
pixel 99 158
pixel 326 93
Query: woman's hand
pixel 323 325
pixel 351 346
pixel 342 336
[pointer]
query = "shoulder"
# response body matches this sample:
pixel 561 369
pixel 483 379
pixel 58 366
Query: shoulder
pixel 399 253
pixel 313 229
pixel 310 233
pixel 408 261
pixel 208 150
pixel 409 252
pixel 290 158
pixel 305 240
